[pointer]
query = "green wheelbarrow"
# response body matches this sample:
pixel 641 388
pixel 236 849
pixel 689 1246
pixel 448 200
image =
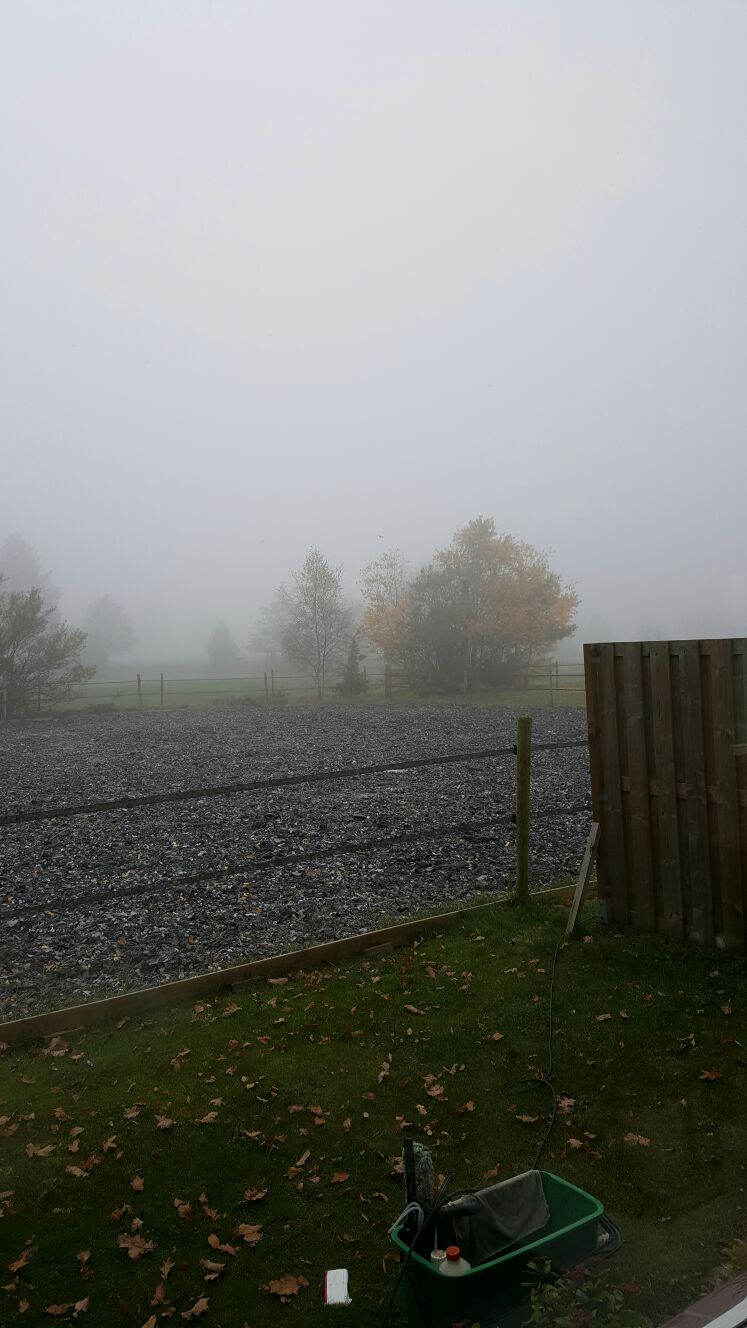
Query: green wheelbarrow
pixel 494 1293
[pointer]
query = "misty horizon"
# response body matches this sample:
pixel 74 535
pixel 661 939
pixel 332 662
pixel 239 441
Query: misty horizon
pixel 350 278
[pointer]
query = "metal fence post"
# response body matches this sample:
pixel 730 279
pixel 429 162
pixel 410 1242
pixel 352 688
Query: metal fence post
pixel 272 683
pixel 267 690
pixel 161 689
pixel 523 785
pixel 551 700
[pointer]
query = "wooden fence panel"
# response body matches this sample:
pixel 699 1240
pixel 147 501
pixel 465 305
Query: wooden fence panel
pixel 668 752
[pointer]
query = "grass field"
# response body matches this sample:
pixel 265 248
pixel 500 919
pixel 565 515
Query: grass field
pixel 199 692
pixel 267 1123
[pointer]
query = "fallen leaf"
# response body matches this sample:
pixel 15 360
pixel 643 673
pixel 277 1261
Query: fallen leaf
pixel 23 1258
pixel 164 1122
pixel 57 1309
pixel 135 1245
pixel 496 1037
pixel 602 1017
pixel 137 1183
pixel 81 1306
pixel 639 1139
pixel 575 1143
pixel 253 1196
pixel 466 1106
pixel 33 1150
pixel 197 1309
pixel 151 1322
pixel 250 1235
pixel 215 1244
pixel 165 1268
pixel 183 1209
pixel 527 1120
pixel 286 1286
pixel 212 1269
pixel 710 1076
pixel 207 1119
pixel 339 1177
pixel 78 1172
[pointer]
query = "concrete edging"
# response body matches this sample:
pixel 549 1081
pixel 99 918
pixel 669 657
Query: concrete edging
pixel 95 1013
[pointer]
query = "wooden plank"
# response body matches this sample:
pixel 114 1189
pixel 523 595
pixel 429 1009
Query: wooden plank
pixel 594 729
pixel 96 1013
pixel 672 920
pixel 611 821
pixel 641 872
pixel 695 792
pixel 722 692
pixel 582 883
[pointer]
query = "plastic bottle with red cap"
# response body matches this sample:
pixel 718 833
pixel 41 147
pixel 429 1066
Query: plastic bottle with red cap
pixel 454 1265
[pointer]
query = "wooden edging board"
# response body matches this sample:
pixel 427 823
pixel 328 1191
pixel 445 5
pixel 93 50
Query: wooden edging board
pixel 96 1013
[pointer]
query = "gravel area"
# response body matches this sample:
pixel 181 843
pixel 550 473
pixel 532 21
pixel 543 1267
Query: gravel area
pixel 56 949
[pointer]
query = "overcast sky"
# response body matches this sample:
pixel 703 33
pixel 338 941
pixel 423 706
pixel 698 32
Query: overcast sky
pixel 351 273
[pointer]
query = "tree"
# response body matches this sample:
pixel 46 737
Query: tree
pixel 353 679
pixel 385 587
pixel 478 615
pixel 108 632
pixel 267 637
pixel 317 621
pixel 20 568
pixel 38 657
pixel 222 650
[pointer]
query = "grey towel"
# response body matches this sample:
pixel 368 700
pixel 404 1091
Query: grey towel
pixel 489 1220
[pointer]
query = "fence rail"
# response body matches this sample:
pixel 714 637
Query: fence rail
pixel 554 683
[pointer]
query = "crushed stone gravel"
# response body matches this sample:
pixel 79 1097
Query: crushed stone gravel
pixel 53 954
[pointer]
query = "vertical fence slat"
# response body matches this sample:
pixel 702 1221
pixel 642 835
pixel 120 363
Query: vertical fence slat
pixel 641 884
pixel 696 792
pixel 672 921
pixel 594 731
pixel 612 828
pixel 727 793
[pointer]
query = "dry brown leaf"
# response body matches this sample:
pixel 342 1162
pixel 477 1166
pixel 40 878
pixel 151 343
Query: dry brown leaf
pixel 253 1196
pixel 347 1124
pixel 286 1286
pixel 710 1077
pixel 34 1150
pixel 197 1309
pixel 339 1177
pixel 466 1106
pixel 23 1258
pixel 215 1244
pixel 183 1208
pixel 135 1245
pixel 496 1037
pixel 81 1306
pixel 575 1143
pixel 250 1235
pixel 164 1122
pixel 78 1172
pixel 57 1309
pixel 527 1120
pixel 638 1139
pixel 159 1295
pixel 137 1183
pixel 601 1018
pixel 212 1269
pixel 111 1142
pixel 131 1113
pixel 151 1322
pixel 207 1119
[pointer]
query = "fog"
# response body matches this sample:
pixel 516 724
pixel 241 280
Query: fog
pixel 352 274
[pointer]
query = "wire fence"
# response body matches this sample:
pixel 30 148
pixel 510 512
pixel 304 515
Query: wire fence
pixel 551 683
pixel 263 861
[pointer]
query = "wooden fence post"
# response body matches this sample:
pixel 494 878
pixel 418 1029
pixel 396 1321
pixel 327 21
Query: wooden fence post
pixel 272 684
pixel 267 690
pixel 161 689
pixel 523 784
pixel 139 692
pixel 551 700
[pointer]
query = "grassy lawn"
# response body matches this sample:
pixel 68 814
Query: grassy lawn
pixel 168 1130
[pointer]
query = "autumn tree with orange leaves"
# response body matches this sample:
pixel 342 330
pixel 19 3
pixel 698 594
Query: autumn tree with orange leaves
pixel 477 616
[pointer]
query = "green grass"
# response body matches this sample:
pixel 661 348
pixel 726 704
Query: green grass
pixel 344 1042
